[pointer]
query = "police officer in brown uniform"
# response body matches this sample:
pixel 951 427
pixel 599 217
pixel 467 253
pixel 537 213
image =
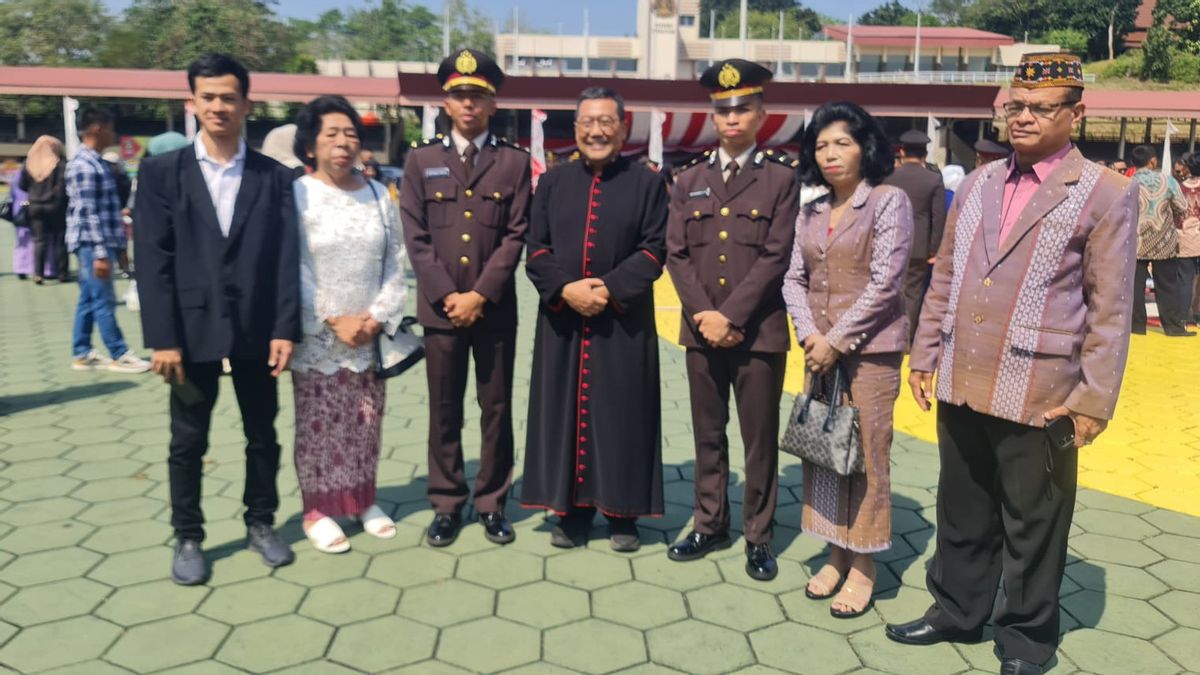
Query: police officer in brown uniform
pixel 465 205
pixel 729 241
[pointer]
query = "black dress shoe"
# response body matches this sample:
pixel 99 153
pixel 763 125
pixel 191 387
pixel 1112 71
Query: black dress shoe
pixel 188 567
pixel 444 529
pixel 264 540
pixel 760 562
pixel 919 632
pixel 697 545
pixel 1181 333
pixel 1019 667
pixel 496 527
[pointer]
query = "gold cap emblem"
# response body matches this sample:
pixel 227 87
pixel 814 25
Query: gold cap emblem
pixel 729 76
pixel 465 63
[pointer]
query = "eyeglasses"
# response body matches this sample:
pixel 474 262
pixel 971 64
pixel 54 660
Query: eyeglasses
pixel 1045 111
pixel 607 124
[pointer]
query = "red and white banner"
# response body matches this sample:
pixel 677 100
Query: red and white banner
pixel 691 132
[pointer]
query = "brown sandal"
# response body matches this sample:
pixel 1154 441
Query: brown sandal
pixel 853 590
pixel 824 576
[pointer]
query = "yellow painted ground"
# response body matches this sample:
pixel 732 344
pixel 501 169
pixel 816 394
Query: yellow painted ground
pixel 1151 450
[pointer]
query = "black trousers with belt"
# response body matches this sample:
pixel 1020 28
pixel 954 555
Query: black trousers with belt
pixel 1170 293
pixel 1004 509
pixel 258 399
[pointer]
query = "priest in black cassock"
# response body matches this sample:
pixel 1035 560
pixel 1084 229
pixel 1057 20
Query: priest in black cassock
pixel 595 245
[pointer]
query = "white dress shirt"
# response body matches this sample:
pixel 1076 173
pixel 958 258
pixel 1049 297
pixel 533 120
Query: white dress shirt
pixel 743 159
pixel 223 180
pixel 461 142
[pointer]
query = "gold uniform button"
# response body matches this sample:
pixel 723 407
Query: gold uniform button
pixel 466 238
pixel 753 213
pixel 721 281
pixel 695 214
pixel 724 210
pixel 723 235
pixel 465 260
pixel 468 215
pixel 437 196
pixel 978 318
pixel 469 193
pixel 496 196
pixel 987 282
pixel 722 258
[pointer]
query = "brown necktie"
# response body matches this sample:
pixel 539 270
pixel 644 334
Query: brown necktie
pixel 469 157
pixel 732 168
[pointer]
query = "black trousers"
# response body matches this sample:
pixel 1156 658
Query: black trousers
pixel 49 229
pixel 1004 509
pixel 258 399
pixel 1170 293
pixel 1191 272
pixel 447 365
pixel 757 382
pixel 916 283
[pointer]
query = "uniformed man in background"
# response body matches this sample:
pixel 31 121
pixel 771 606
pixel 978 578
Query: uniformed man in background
pixel 465 203
pixel 729 241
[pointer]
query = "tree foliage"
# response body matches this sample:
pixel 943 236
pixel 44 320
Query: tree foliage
pixel 1182 18
pixel 1035 18
pixel 895 14
pixel 762 19
pixel 51 32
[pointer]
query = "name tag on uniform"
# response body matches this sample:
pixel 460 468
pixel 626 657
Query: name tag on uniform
pixel 437 172
pixel 706 192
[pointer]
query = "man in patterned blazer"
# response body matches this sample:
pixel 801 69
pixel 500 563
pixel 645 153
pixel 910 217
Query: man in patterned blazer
pixel 1027 319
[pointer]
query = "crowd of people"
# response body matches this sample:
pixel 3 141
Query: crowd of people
pixel 1011 284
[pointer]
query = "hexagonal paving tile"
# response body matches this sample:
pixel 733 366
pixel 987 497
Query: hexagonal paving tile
pixel 95 667
pixel 1175 546
pixel 275 643
pixel 150 602
pixel 588 570
pixel 1105 653
pixel 51 602
pixel 349 601
pixel 735 607
pixel 789 646
pixel 445 603
pixel 639 605
pixel 252 600
pixel 801 609
pixel 697 647
pixel 662 571
pixel 1122 525
pixel 42 511
pixel 1183 645
pixel 128 537
pixel 113 489
pixel 876 651
pixel 37 488
pixel 1114 550
pixel 123 511
pixel 381 643
pixel 1181 606
pixel 45 536
pixel 1175 573
pixel 1130 582
pixel 792 575
pixel 489 644
pixel 37 568
pixel 594 646
pixel 500 568
pixel 543 604
pixel 313 568
pixel 36 468
pixel 157 645
pixel 61 643
pixel 411 567
pixel 1117 614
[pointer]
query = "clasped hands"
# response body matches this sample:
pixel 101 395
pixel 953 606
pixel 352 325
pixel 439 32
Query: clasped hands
pixel 464 309
pixel 588 296
pixel 717 330
pixel 819 355
pixel 354 330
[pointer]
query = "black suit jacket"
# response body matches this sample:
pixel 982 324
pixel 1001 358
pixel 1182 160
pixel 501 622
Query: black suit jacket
pixel 214 296
pixel 927 193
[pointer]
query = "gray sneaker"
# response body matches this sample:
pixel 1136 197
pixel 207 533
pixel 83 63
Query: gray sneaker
pixel 189 568
pixel 263 539
pixel 129 363
pixel 90 361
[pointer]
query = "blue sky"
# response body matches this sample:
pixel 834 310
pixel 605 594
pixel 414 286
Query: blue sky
pixel 608 17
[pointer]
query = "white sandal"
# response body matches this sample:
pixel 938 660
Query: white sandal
pixel 327 537
pixel 377 523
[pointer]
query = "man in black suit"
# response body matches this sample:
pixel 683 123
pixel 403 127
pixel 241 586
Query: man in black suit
pixel 216 241
pixel 927 193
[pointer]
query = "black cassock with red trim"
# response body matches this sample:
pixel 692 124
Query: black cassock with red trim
pixel 595 426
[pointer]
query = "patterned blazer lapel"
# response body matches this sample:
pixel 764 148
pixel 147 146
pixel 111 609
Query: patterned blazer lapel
pixel 850 216
pixel 992 197
pixel 1049 194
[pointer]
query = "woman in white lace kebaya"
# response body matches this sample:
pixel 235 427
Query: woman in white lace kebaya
pixel 352 286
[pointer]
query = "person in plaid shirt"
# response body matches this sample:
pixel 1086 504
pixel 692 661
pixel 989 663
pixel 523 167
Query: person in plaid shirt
pixel 96 234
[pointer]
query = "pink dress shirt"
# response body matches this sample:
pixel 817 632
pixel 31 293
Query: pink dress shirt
pixel 1020 187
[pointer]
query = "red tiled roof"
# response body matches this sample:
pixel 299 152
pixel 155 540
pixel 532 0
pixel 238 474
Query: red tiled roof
pixel 905 36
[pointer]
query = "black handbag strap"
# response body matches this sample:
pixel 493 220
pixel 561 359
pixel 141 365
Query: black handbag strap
pixel 841 382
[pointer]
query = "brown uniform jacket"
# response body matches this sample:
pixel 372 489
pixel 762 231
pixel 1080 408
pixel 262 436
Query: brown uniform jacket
pixel 465 232
pixel 927 193
pixel 728 247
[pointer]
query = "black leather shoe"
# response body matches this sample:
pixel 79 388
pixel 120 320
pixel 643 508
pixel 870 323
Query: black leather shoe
pixel 1182 333
pixel 444 529
pixel 496 527
pixel 760 562
pixel 919 632
pixel 697 545
pixel 188 566
pixel 1019 667
pixel 264 540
